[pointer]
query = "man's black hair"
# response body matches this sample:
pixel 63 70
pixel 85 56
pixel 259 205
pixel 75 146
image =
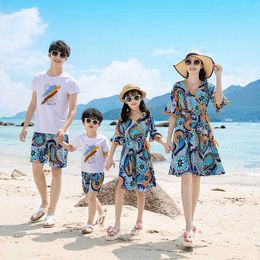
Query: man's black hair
pixel 92 113
pixel 60 46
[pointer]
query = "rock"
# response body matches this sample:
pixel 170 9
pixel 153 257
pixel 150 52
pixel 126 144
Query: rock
pixel 163 124
pixel 82 203
pixel 157 157
pixel 6 123
pixel 218 189
pixel 17 173
pixel 30 124
pixel 113 123
pixel 220 127
pixel 157 200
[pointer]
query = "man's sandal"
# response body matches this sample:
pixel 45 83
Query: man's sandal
pixel 88 229
pixel 38 214
pixel 101 218
pixel 112 233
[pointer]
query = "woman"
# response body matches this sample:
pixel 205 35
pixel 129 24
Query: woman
pixel 194 148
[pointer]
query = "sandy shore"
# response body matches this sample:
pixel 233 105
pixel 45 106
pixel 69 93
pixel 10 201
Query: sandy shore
pixel 228 224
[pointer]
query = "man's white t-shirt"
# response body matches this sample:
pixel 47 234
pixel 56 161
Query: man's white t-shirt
pixel 93 158
pixel 52 100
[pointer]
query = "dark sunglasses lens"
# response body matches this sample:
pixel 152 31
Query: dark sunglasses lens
pixel 188 62
pixel 95 122
pixel 54 53
pixel 136 98
pixel 88 120
pixel 196 62
pixel 128 99
pixel 63 55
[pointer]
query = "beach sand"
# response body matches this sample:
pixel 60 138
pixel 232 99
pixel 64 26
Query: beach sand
pixel 228 223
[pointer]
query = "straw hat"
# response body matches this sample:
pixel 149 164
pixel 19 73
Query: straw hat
pixel 130 87
pixel 206 60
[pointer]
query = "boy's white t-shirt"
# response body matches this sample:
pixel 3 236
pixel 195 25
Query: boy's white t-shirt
pixel 93 159
pixel 52 100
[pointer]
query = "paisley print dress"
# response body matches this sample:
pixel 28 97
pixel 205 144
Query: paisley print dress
pixel 135 170
pixel 194 146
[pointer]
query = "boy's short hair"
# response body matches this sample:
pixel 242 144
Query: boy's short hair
pixel 60 46
pixel 92 113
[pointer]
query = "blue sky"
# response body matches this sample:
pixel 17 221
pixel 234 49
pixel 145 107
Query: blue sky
pixel 115 42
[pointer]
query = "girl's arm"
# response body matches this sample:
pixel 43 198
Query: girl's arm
pixel 109 160
pixel 219 92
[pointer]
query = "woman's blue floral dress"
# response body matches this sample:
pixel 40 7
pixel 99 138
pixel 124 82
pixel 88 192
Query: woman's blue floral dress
pixel 194 146
pixel 136 170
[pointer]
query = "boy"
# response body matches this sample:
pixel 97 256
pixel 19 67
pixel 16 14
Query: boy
pixel 95 150
pixel 54 100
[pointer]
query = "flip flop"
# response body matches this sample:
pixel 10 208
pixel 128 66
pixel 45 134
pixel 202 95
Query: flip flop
pixel 49 221
pixel 38 214
pixel 187 239
pixel 101 218
pixel 88 229
pixel 136 230
pixel 112 234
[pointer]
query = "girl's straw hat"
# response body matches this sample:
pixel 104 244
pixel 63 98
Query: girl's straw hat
pixel 130 87
pixel 206 60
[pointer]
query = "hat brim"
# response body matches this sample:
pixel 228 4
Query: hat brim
pixel 121 95
pixel 208 65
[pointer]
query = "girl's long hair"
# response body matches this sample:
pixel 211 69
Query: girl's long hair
pixel 126 110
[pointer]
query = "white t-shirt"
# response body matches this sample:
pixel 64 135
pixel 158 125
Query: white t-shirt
pixel 93 159
pixel 52 100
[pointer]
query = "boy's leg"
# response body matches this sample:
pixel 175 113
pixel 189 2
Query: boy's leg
pixel 92 206
pixel 40 181
pixel 140 206
pixel 55 189
pixel 99 207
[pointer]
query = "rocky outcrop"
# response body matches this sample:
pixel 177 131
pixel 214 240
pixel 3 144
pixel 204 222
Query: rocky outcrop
pixel 163 124
pixel 157 157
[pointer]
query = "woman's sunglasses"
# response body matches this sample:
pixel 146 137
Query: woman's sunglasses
pixel 129 99
pixel 62 54
pixel 88 120
pixel 195 62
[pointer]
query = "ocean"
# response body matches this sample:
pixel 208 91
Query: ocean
pixel 239 147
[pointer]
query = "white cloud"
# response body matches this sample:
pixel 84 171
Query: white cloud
pixel 158 51
pixel 112 78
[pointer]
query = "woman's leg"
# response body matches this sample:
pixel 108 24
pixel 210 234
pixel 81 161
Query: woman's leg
pixel 186 194
pixel 140 206
pixel 119 200
pixel 195 193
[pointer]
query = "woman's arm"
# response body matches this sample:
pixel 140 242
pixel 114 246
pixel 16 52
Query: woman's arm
pixel 172 121
pixel 219 92
pixel 109 160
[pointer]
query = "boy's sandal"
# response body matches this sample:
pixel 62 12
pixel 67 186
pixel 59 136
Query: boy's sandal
pixel 38 214
pixel 101 218
pixel 112 233
pixel 187 239
pixel 49 221
pixel 137 228
pixel 88 229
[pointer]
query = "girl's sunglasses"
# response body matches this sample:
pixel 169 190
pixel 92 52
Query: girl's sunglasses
pixel 62 54
pixel 88 120
pixel 129 99
pixel 195 62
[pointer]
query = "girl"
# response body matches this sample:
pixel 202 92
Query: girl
pixel 194 151
pixel 135 170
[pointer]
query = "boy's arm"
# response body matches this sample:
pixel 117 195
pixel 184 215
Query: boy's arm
pixel 28 117
pixel 67 146
pixel 71 114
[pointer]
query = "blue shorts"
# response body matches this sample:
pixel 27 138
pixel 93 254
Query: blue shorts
pixel 45 147
pixel 92 182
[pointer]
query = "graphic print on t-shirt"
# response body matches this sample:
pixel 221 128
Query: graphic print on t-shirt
pixel 49 95
pixel 90 151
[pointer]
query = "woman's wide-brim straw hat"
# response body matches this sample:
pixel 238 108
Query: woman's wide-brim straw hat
pixel 130 87
pixel 208 65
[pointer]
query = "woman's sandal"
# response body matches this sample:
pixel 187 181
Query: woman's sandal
pixel 101 218
pixel 88 229
pixel 187 239
pixel 49 221
pixel 38 214
pixel 136 230
pixel 112 233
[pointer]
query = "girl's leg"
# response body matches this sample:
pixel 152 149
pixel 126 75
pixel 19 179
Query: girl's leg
pixel 140 206
pixel 186 194
pixel 99 207
pixel 119 200
pixel 92 206
pixel 195 193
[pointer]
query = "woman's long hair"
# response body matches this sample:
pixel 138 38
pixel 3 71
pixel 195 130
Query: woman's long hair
pixel 126 110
